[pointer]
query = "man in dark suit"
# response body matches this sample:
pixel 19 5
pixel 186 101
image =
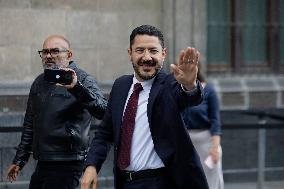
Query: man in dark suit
pixel 151 146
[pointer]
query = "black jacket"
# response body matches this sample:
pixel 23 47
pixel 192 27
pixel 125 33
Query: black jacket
pixel 57 120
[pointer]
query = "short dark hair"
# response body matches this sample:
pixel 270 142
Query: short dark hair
pixel 147 30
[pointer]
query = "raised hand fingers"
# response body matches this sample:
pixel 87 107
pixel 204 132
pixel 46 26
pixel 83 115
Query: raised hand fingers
pixel 197 57
pixel 191 55
pixel 181 57
pixel 186 69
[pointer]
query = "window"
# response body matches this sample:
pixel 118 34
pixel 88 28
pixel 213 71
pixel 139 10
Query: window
pixel 218 53
pixel 245 36
pixel 282 32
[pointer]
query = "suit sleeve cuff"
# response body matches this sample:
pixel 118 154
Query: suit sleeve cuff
pixel 192 91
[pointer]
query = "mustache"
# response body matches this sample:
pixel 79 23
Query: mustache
pixel 148 63
pixel 49 64
pixel 48 61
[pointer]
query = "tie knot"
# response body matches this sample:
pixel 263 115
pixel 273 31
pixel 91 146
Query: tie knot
pixel 138 87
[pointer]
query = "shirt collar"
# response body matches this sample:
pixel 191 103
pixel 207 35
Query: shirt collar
pixel 145 84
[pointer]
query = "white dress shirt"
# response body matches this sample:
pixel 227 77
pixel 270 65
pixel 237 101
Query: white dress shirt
pixel 143 155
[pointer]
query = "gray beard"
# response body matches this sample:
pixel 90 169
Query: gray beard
pixel 52 66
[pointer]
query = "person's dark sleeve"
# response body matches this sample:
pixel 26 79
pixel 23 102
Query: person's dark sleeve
pixel 188 98
pixel 25 147
pixel 102 141
pixel 90 96
pixel 214 113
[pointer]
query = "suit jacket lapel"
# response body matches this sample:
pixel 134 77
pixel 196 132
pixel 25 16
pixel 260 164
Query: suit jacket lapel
pixel 121 95
pixel 119 101
pixel 157 84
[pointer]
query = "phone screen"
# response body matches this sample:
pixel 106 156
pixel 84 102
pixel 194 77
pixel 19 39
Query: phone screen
pixel 58 76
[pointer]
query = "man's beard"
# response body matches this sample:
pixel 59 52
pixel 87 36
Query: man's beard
pixel 51 64
pixel 152 63
pixel 48 65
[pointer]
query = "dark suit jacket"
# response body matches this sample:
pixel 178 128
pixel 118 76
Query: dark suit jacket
pixel 171 141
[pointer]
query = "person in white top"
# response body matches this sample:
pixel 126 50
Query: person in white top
pixel 204 128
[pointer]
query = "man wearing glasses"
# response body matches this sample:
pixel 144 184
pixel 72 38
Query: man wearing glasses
pixel 57 121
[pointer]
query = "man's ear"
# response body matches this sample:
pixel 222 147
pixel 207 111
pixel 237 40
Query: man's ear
pixel 70 54
pixel 129 53
pixel 164 53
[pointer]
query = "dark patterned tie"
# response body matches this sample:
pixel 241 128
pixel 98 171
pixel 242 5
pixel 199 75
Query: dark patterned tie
pixel 127 129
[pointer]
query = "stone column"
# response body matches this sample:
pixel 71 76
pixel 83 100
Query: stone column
pixel 184 24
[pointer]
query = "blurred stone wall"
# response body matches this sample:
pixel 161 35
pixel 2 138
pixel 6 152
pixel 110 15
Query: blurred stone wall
pixel 260 93
pixel 97 29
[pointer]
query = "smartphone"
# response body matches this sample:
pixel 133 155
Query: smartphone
pixel 58 76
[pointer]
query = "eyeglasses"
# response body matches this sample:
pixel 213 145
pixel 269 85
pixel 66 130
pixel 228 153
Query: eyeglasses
pixel 53 52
